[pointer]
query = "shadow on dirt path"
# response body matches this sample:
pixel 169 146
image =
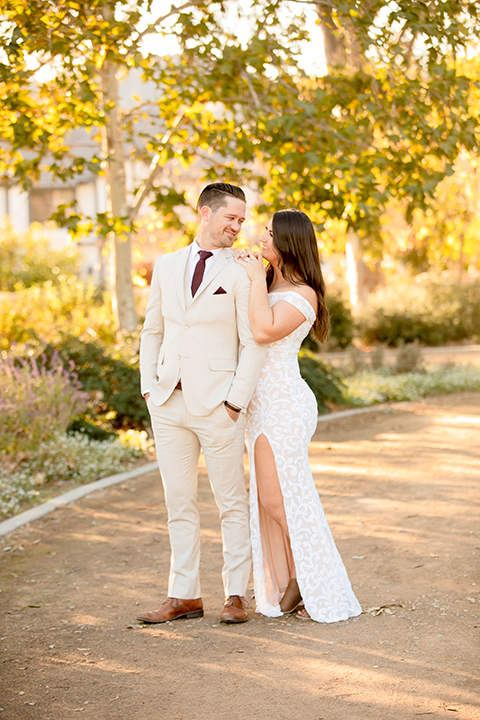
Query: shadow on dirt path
pixel 400 490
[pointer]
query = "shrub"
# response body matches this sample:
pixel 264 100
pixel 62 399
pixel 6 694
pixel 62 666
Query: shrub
pixel 29 260
pixel 357 360
pixel 90 429
pixel 326 385
pixel 427 311
pixel 341 325
pixel 377 358
pixel 74 457
pixel 310 343
pixel 45 313
pixel 409 358
pixel 341 322
pixel 111 378
pixel 36 401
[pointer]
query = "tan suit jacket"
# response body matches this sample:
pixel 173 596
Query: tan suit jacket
pixel 205 341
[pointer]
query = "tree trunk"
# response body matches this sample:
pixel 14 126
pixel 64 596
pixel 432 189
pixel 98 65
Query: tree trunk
pixel 340 45
pixel 356 272
pixel 461 258
pixel 103 271
pixel 474 267
pixel 341 51
pixel 122 291
pixel 333 41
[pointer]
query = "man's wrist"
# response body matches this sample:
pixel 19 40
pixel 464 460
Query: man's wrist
pixel 232 407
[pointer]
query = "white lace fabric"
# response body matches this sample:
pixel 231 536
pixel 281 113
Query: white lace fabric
pixel 284 409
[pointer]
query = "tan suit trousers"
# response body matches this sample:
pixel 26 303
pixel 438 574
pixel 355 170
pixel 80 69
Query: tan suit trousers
pixel 179 435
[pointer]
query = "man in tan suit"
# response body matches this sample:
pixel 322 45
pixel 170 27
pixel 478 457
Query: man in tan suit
pixel 199 367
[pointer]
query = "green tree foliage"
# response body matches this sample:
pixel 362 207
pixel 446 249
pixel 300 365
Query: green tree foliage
pixel 447 234
pixel 387 120
pixel 59 70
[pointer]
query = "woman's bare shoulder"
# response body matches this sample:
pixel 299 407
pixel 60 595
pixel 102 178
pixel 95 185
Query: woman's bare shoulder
pixel 307 292
pixel 304 290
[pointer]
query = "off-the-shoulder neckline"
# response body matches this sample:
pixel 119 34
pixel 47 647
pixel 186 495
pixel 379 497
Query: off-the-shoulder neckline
pixel 283 292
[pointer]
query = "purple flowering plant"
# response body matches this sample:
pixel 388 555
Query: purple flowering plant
pixel 37 400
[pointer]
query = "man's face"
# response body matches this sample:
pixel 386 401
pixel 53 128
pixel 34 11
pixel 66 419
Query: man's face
pixel 223 225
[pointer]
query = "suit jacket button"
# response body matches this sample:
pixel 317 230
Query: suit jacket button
pixel 179 357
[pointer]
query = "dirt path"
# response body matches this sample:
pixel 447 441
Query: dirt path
pixel 401 492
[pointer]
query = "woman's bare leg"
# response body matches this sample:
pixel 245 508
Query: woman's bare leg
pixel 269 492
pixel 270 498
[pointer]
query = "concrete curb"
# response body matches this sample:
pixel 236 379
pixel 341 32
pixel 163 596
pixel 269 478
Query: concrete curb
pixel 37 512
pixel 360 411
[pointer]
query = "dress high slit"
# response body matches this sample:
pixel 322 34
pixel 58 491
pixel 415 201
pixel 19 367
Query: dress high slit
pixel 278 559
pixel 284 410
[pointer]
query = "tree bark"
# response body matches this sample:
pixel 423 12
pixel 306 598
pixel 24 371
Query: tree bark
pixel 341 51
pixel 341 48
pixel 333 41
pixel 122 291
pixel 356 272
pixel 474 267
pixel 461 257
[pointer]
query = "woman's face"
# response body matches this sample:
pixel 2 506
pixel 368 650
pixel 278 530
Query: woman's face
pixel 266 241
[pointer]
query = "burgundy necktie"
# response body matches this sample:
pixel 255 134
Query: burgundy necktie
pixel 200 270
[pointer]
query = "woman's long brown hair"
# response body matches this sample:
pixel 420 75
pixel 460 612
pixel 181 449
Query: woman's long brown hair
pixel 296 246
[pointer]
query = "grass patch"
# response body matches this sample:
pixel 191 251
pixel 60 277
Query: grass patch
pixel 369 387
pixel 28 478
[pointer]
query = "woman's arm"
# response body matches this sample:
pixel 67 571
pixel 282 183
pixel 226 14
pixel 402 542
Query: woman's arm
pixel 269 324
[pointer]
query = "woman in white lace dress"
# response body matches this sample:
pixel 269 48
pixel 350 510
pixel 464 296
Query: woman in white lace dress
pixel 295 559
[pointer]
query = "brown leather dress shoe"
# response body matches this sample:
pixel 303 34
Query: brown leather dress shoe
pixel 174 609
pixel 234 610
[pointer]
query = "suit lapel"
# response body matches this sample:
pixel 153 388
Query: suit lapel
pixel 181 262
pixel 219 264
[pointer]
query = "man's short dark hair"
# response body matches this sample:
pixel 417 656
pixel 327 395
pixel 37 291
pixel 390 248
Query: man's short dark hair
pixel 215 195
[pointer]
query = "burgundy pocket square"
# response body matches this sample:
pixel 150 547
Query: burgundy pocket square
pixel 220 291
